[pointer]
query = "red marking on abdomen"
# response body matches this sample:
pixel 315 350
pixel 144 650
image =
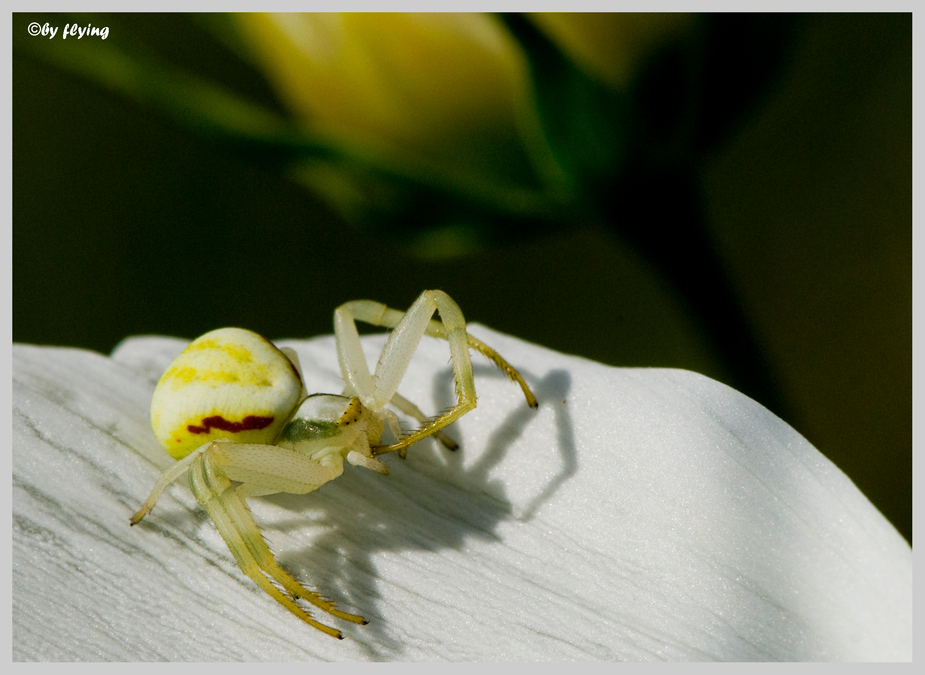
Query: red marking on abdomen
pixel 249 423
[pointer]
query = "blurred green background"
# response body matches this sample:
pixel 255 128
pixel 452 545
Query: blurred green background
pixel 128 220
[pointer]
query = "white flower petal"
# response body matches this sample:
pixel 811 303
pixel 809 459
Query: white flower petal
pixel 639 514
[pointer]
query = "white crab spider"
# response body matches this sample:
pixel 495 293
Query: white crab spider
pixel 233 409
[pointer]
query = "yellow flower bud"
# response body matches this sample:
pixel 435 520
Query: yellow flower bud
pixel 610 46
pixel 435 89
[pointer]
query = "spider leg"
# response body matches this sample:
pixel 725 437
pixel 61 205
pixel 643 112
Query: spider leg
pixel 412 410
pixel 353 367
pixel 235 523
pixel 401 345
pixel 166 478
pixel 377 314
pixel 409 328
pixel 505 367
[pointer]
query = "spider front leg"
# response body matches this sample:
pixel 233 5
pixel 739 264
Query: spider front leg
pixel 412 410
pixel 260 469
pixel 409 327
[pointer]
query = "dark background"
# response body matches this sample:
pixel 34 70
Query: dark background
pixel 126 222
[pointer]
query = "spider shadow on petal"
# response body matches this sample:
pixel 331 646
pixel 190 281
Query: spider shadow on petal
pixel 436 501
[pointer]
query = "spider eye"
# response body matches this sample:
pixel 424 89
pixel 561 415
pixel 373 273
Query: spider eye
pixel 228 384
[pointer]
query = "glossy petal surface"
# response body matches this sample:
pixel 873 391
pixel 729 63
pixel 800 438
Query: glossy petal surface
pixel 639 514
